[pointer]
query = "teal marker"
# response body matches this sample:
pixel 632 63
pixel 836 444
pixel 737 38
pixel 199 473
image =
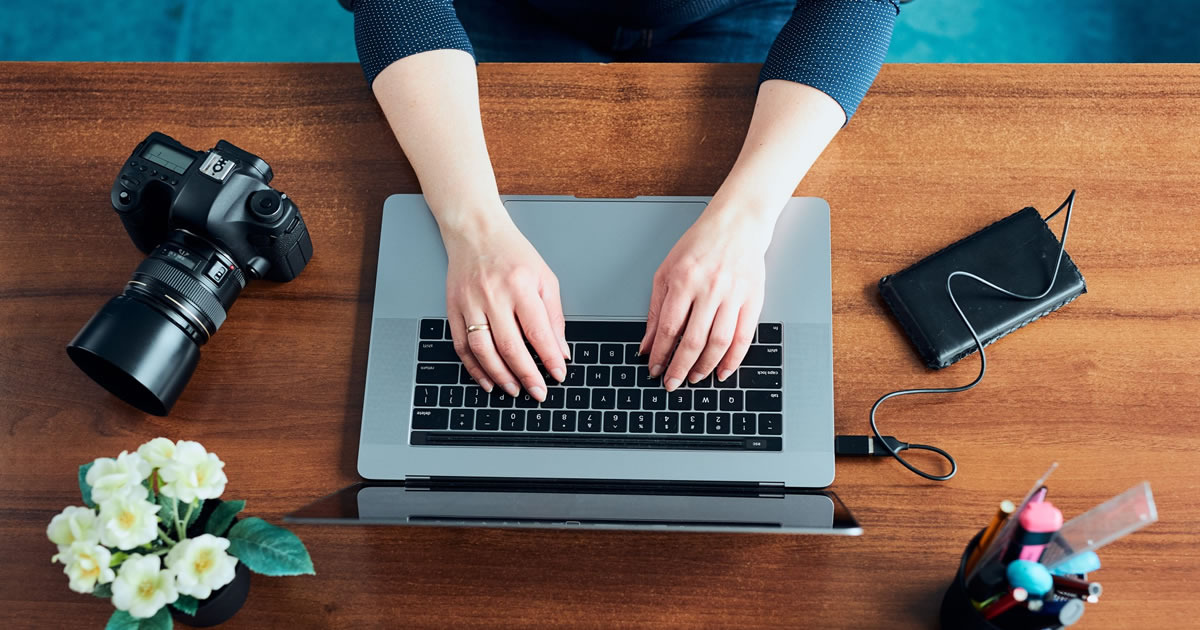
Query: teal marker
pixel 1085 562
pixel 1030 576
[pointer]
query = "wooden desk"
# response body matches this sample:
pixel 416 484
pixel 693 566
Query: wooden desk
pixel 1108 387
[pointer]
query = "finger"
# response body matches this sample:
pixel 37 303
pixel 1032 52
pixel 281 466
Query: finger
pixel 671 319
pixel 692 343
pixel 511 346
pixel 720 337
pixel 554 311
pixel 458 332
pixel 742 336
pixel 484 349
pixel 535 323
pixel 656 298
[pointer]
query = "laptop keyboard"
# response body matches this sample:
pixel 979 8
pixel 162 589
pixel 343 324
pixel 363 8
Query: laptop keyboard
pixel 608 399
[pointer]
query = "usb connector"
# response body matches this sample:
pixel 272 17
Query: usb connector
pixel 865 446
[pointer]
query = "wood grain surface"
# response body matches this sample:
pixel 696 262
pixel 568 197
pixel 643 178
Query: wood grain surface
pixel 1107 386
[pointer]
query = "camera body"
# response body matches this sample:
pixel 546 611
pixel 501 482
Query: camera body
pixel 222 195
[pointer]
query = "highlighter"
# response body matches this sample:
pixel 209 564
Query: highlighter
pixel 1035 527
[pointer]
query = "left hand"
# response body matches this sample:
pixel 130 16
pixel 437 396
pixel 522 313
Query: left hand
pixel 707 296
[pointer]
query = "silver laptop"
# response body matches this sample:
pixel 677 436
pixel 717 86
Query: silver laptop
pixel 610 445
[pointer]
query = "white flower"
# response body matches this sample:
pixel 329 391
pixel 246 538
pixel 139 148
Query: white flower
pixel 157 452
pixel 141 588
pixel 201 565
pixel 87 564
pixel 73 524
pixel 126 522
pixel 193 473
pixel 118 477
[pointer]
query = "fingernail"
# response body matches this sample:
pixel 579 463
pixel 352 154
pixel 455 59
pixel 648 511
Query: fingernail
pixel 559 374
pixel 511 389
pixel 539 393
pixel 486 385
pixel 723 374
pixel 655 371
pixel 672 383
pixel 695 377
pixel 566 348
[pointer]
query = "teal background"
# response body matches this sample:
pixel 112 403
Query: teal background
pixel 320 30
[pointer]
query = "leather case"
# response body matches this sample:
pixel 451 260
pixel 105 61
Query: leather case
pixel 1017 253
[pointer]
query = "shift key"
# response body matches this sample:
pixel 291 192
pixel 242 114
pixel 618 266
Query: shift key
pixel 764 355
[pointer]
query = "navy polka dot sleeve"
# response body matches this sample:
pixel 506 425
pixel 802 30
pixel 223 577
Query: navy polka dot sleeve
pixel 836 46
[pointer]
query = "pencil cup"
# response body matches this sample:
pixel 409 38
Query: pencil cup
pixel 957 611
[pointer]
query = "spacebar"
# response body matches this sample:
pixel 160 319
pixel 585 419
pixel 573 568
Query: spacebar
pixel 725 443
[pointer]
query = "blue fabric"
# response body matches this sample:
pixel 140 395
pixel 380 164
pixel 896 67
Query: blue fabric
pixel 836 46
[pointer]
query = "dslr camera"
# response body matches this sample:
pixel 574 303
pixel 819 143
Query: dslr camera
pixel 207 221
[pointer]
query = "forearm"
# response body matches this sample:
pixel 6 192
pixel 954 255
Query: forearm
pixel 431 101
pixel 791 126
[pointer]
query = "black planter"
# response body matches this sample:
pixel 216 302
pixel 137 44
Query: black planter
pixel 222 605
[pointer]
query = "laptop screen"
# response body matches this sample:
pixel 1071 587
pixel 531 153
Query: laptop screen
pixel 395 504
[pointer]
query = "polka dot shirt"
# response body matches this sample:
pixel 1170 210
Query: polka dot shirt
pixel 836 46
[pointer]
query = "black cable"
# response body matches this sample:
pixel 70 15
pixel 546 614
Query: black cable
pixel 889 444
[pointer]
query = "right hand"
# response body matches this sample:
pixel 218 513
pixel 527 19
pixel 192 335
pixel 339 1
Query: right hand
pixel 496 277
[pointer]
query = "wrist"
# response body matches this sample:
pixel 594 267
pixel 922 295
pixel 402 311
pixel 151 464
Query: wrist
pixel 471 223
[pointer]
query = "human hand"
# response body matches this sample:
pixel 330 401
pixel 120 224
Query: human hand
pixel 707 296
pixel 496 277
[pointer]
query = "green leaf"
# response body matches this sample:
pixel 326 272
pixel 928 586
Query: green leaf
pixel 103 591
pixel 121 620
pixel 219 520
pixel 267 549
pixel 118 558
pixel 173 509
pixel 84 488
pixel 186 604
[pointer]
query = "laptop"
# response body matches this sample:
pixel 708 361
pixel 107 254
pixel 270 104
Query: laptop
pixel 609 447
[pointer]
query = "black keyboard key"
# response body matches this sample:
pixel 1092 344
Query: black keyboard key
pixel 512 420
pixel 474 396
pixel 624 376
pixel 452 396
pixel 431 328
pixel 499 399
pixel 629 399
pixel 757 400
pixel 704 400
pixel 586 353
pixel 487 420
pixel 526 401
pixel 555 397
pixel 730 382
pixel 430 418
pixel 761 378
pixel 575 376
pixel 718 423
pixel 604 398
pixel 770 424
pixel 680 400
pixel 615 422
pixel 590 421
pixel 462 419
pixel 743 424
pixel 578 398
pixel 597 376
pixel 641 422
pixel 564 421
pixel 612 353
pixel 691 422
pixel 425 396
pixel 631 332
pixel 771 356
pixel 654 399
pixel 538 420
pixel 437 373
pixel 633 358
pixel 731 400
pixel 666 422
pixel 770 333
pixel 704 383
pixel 464 377
pixel 644 380
pixel 437 351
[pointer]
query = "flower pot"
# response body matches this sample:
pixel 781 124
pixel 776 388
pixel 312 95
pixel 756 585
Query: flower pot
pixel 222 605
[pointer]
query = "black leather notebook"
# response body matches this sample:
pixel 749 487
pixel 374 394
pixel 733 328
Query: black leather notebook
pixel 1017 253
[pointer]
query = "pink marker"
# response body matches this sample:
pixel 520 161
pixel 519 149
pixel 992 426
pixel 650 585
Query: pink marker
pixel 1035 527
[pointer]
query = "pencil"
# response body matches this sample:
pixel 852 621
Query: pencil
pixel 1006 601
pixel 1006 510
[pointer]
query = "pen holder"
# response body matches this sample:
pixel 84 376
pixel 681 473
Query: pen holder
pixel 958 613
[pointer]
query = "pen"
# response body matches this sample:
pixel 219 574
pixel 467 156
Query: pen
pixel 1006 510
pixel 1053 614
pixel 1076 587
pixel 1006 601
pixel 1036 525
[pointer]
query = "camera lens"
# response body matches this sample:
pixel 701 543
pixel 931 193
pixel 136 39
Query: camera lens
pixel 144 344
